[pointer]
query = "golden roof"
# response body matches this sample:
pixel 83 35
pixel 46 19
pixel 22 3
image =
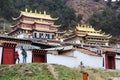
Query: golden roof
pixel 81 35
pixel 89 30
pixel 28 22
pixel 11 26
pixel 26 28
pixel 36 15
pixel 100 35
pixel 55 25
pixel 95 34
pixel 61 31
pixel 86 28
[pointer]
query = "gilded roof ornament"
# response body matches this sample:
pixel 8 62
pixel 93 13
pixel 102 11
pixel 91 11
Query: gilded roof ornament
pixel 103 33
pixel 35 15
pixel 84 26
pixel 44 12
pixel 30 11
pixel 110 36
pixel 90 26
pixel 78 25
pixel 81 25
pixel 35 11
pixel 99 30
pixel 40 12
pixel 26 10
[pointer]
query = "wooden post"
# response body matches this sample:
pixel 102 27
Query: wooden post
pixel 85 76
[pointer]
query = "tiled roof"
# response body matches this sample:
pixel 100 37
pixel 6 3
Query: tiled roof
pixel 85 51
pixel 108 49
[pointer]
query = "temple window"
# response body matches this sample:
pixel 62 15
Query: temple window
pixel 35 35
pixel 48 36
pixel 44 35
pixel 52 36
pixel 40 35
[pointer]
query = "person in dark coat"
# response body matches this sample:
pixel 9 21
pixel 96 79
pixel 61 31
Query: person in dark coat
pixel 24 54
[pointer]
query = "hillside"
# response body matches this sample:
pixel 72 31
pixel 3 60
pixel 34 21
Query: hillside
pixel 86 8
pixel 50 72
pixel 101 15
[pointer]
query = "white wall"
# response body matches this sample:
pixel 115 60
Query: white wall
pixel 62 60
pixel 23 35
pixel 117 62
pixel 29 56
pixel 1 49
pixel 88 60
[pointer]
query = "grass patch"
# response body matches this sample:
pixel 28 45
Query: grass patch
pixel 37 71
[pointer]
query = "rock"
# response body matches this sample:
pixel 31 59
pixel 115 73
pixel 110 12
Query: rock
pixel 28 72
pixel 86 7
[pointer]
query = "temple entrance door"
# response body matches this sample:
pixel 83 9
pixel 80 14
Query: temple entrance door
pixel 39 56
pixel 110 61
pixel 8 56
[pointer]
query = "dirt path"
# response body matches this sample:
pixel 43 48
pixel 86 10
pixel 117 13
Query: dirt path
pixel 52 70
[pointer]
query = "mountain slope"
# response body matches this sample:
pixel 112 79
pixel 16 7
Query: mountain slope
pixel 41 71
pixel 86 7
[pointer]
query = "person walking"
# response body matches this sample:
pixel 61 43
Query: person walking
pixel 16 57
pixel 24 55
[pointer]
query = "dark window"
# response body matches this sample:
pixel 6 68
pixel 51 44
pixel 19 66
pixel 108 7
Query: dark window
pixel 35 35
pixel 40 35
pixel 52 36
pixel 48 36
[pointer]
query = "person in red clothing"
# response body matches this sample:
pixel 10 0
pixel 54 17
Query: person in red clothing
pixel 16 57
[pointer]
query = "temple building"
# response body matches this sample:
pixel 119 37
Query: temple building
pixel 34 25
pixel 84 34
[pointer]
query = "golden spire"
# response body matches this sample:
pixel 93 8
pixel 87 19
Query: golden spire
pixel 35 11
pixel 30 11
pixel 90 26
pixel 26 10
pixel 77 25
pixel 81 25
pixel 44 12
pixel 40 12
pixel 85 26
pixel 103 33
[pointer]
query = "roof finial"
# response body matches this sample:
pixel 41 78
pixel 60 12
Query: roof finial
pixel 40 12
pixel 35 11
pixel 30 11
pixel 44 12
pixel 85 26
pixel 26 10
pixel 90 26
pixel 81 25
